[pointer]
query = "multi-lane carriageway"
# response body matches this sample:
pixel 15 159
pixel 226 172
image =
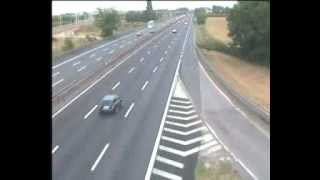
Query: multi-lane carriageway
pixel 87 145
pixel 151 131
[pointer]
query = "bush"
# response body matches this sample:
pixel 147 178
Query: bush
pixel 209 43
pixel 249 26
pixel 68 44
pixel 108 21
pixel 200 15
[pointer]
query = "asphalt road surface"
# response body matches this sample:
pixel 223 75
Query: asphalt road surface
pixel 125 145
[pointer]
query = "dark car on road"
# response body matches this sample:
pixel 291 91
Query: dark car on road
pixel 110 104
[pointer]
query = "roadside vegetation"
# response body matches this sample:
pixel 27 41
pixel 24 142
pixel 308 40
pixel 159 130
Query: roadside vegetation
pixel 217 170
pixel 235 43
pixel 249 29
pixel 108 23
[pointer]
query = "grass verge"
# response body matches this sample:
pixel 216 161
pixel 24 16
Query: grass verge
pixel 218 170
pixel 249 80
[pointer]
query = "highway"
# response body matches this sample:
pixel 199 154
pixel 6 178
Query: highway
pixel 129 144
pixel 77 72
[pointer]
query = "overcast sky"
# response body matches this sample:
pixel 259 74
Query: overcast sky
pixel 60 7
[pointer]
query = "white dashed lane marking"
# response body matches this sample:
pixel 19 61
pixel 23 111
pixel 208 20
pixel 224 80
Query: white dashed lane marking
pixel 131 70
pixel 116 85
pixel 88 114
pixel 155 69
pixel 56 83
pixel 99 158
pixel 55 74
pixel 76 63
pixel 82 68
pixel 144 85
pixel 54 149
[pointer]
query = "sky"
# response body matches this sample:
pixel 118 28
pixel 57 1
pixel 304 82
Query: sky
pixel 60 7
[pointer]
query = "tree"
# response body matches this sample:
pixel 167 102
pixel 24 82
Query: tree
pixel 249 26
pixel 134 16
pixel 201 15
pixel 68 44
pixel 149 14
pixel 107 20
pixel 217 10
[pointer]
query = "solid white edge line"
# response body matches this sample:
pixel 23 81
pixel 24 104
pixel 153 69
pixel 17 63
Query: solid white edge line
pixel 232 104
pixel 156 145
pixel 103 76
pixel 129 110
pixel 54 149
pixel 144 85
pixel 227 149
pixel 99 158
pixel 155 148
pixel 116 85
pixel 57 82
pixel 88 114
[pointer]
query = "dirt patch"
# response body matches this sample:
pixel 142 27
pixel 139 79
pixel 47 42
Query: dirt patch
pixel 251 81
pixel 219 170
pixel 217 28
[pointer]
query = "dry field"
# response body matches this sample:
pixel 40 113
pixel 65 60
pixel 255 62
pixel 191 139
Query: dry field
pixel 250 80
pixel 217 27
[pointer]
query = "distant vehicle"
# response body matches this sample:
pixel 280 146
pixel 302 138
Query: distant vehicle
pixel 139 34
pixel 150 26
pixel 110 104
pixel 185 23
pixel 174 31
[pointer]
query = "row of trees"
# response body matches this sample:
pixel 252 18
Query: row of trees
pixel 201 15
pixel 108 20
pixel 219 11
pixel 249 27
pixel 141 16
